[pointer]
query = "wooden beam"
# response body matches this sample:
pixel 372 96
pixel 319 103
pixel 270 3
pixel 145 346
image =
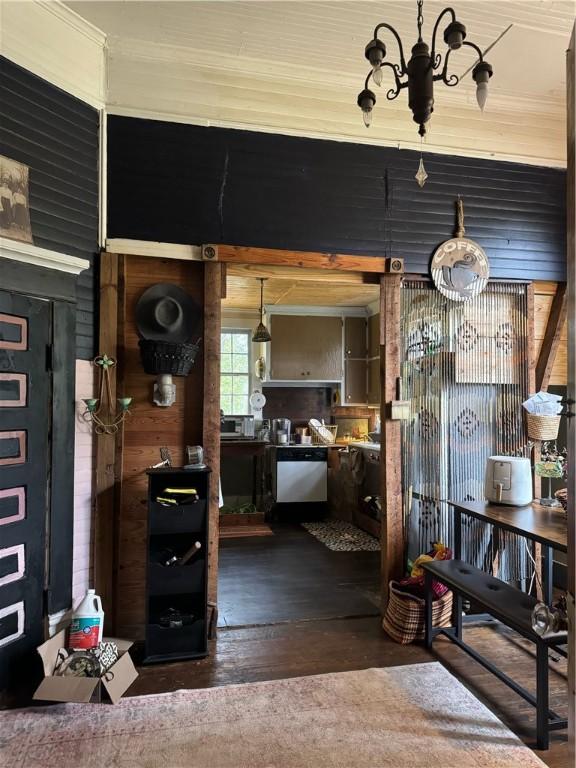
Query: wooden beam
pixel 154 249
pixel 255 271
pixel 224 281
pixel 302 259
pixel 571 389
pixel 551 341
pixel 104 519
pixel 211 423
pixel 392 539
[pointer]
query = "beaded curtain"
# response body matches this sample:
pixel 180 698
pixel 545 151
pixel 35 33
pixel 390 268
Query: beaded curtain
pixel 465 372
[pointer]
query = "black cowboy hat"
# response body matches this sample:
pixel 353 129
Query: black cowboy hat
pixel 165 312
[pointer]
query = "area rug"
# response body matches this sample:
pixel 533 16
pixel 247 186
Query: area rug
pixel 340 536
pixel 401 717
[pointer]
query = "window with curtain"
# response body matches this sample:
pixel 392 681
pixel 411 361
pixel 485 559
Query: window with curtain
pixel 235 372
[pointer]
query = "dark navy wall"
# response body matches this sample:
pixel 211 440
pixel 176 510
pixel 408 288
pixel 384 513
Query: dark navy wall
pixel 187 184
pixel 56 135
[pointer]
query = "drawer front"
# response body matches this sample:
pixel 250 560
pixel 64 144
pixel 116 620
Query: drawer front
pixel 176 579
pixel 189 518
pixel 179 641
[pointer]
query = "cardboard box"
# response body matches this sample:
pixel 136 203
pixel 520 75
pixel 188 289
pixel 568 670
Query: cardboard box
pixel 115 682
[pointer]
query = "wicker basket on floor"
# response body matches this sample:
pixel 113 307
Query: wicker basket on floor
pixel 542 427
pixel 404 617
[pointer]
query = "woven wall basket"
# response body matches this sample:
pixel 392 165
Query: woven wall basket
pixel 542 427
pixel 175 358
pixel 404 618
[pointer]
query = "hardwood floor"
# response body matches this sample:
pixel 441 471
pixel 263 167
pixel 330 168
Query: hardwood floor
pixel 287 645
pixel 291 576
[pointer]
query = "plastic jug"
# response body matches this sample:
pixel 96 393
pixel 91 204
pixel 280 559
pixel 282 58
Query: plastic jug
pixel 87 624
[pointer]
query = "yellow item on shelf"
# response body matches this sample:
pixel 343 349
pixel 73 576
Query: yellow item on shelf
pixel 183 491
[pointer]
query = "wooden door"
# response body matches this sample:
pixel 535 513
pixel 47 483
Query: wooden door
pixel 355 383
pixel 24 435
pixel 374 381
pixel 355 337
pixel 374 359
pixel 374 336
pixel 306 348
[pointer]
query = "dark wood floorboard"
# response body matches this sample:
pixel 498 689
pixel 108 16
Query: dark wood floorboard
pixel 286 644
pixel 291 576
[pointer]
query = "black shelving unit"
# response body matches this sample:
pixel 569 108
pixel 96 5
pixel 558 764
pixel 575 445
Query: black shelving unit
pixel 177 588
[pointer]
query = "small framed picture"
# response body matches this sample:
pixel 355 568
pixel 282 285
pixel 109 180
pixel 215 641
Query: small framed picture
pixel 14 210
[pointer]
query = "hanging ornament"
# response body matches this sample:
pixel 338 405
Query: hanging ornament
pixel 460 268
pixel 421 174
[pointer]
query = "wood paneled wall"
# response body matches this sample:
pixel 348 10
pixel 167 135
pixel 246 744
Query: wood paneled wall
pixel 147 429
pixel 543 295
pixel 56 136
pixel 177 183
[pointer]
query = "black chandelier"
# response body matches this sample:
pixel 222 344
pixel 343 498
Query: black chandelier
pixel 420 71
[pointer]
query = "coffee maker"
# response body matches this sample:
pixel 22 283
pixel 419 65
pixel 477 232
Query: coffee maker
pixel 281 431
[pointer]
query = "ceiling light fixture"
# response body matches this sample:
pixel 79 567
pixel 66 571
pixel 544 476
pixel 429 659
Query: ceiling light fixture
pixel 418 75
pixel 261 333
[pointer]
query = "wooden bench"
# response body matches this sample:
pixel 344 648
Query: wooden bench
pixel 510 606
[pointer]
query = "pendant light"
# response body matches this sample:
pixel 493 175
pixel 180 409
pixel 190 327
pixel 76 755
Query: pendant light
pixel 261 333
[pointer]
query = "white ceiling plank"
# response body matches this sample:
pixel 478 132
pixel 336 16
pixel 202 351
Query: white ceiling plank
pixel 296 68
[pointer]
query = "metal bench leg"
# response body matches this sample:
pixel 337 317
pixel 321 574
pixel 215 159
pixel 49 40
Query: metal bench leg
pixel 457 614
pixel 428 634
pixel 542 736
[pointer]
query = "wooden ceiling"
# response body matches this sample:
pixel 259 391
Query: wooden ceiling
pixel 296 67
pixel 289 286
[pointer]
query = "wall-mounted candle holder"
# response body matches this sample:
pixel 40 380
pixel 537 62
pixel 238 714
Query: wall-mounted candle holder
pixel 101 411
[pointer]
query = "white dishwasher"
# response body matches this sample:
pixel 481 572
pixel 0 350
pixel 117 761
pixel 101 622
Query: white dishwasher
pixel 299 474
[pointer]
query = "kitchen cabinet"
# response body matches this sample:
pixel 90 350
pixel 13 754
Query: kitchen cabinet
pixel 373 336
pixel 355 384
pixel 374 360
pixel 305 347
pixel 355 351
pixel 374 381
pixel 355 337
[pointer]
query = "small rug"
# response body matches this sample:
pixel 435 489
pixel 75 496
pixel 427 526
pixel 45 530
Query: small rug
pixel 402 717
pixel 340 536
pixel 239 531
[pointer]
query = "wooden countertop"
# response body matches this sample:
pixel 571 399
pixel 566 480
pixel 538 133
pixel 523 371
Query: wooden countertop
pixel 546 525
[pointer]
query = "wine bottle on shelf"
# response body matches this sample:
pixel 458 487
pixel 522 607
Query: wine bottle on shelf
pixel 189 554
pixel 168 557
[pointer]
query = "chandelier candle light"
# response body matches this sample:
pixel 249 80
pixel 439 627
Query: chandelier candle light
pixel 100 411
pixel 418 75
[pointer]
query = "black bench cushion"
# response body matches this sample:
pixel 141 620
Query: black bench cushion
pixel 506 603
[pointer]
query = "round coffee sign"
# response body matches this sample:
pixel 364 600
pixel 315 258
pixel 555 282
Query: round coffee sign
pixel 460 268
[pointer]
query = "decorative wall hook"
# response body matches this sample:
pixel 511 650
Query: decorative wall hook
pixel 101 411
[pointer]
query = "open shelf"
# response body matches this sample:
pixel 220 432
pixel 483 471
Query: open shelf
pixel 182 589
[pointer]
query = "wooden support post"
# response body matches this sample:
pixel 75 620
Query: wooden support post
pixel 551 341
pixel 104 518
pixel 392 538
pixel 571 390
pixel 537 483
pixel 213 278
pixel 119 447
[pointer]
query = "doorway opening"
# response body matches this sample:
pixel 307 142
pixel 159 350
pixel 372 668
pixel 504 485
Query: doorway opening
pixel 300 521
